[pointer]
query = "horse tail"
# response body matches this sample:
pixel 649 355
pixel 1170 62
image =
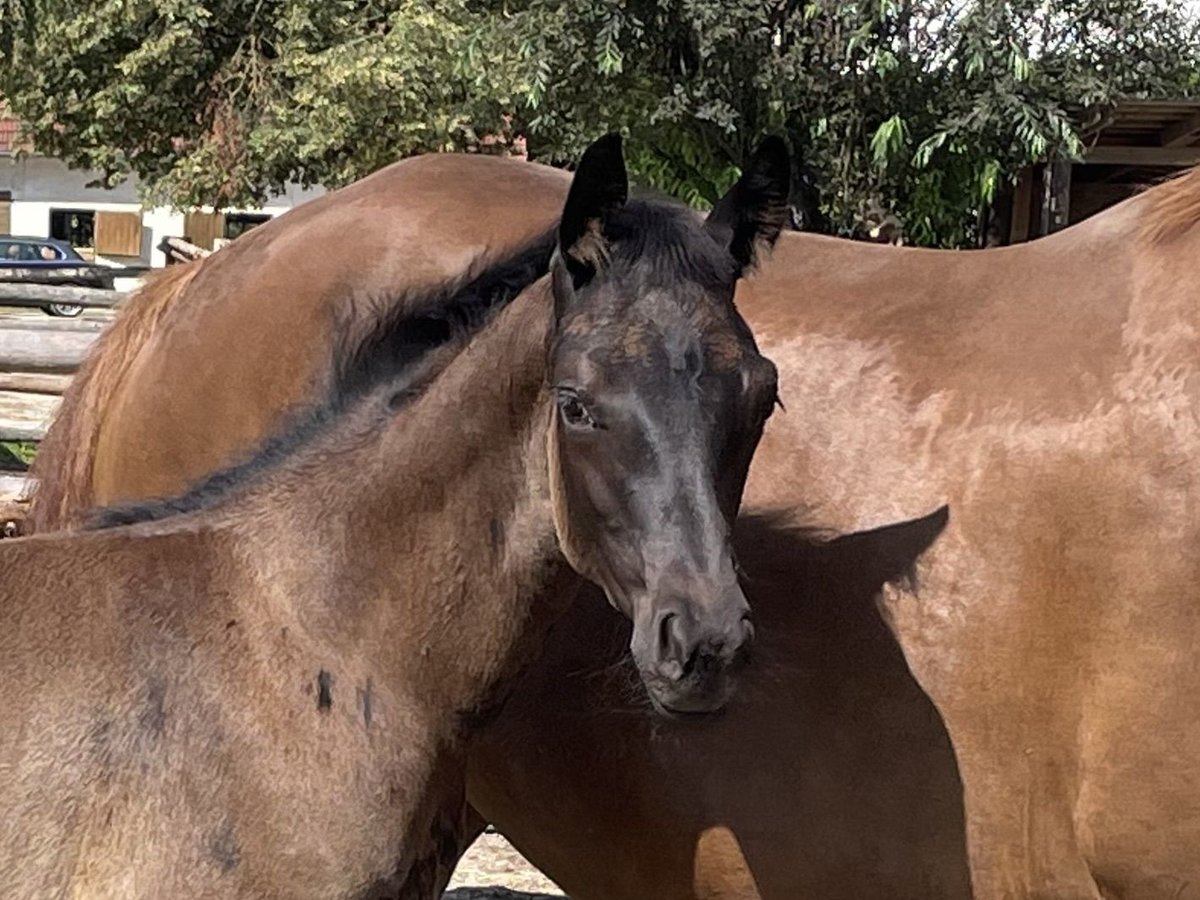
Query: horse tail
pixel 62 468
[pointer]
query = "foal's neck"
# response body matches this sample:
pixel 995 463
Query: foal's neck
pixel 439 546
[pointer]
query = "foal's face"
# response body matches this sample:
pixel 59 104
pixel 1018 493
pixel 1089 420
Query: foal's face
pixel 661 396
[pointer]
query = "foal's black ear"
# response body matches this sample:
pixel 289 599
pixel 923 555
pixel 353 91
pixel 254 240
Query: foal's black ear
pixel 756 208
pixel 600 188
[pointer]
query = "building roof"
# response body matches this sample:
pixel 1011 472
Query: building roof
pixel 1146 133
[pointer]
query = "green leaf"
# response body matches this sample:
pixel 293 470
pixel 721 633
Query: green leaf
pixel 889 140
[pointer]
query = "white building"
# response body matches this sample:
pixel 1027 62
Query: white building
pixel 41 197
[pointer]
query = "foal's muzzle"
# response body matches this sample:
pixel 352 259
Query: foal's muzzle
pixel 687 654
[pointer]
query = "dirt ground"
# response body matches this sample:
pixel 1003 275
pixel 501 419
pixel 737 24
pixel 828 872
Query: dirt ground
pixel 493 870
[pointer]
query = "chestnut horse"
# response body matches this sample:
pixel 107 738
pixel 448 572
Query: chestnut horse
pixel 217 700
pixel 1045 390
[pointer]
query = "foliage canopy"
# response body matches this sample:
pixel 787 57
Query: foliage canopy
pixel 914 105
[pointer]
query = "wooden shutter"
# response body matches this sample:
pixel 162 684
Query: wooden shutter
pixel 203 228
pixel 118 233
pixel 5 216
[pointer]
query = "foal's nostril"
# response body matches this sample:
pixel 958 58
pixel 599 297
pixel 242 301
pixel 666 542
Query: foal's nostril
pixel 686 651
pixel 665 634
pixel 672 645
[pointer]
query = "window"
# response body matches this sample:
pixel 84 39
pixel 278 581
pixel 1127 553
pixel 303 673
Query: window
pixel 17 251
pixel 237 224
pixel 75 226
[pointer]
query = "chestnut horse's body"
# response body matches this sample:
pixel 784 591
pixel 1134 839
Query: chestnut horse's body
pixel 1047 392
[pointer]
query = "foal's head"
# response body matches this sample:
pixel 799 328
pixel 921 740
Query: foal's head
pixel 661 398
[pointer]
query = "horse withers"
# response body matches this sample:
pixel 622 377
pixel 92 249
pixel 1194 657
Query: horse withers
pixel 209 698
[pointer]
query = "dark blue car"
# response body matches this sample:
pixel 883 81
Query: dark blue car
pixel 36 253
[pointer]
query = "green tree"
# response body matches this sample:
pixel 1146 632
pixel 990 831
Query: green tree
pixel 223 101
pixel 913 105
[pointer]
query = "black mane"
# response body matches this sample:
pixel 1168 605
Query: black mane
pixel 405 333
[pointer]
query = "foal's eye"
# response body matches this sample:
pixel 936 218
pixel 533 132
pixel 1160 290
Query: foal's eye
pixel 573 412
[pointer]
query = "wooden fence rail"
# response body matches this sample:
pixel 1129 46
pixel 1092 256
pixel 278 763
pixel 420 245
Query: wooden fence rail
pixel 36 362
pixel 21 294
pixel 25 417
pixel 43 351
pixel 82 276
pixel 33 383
